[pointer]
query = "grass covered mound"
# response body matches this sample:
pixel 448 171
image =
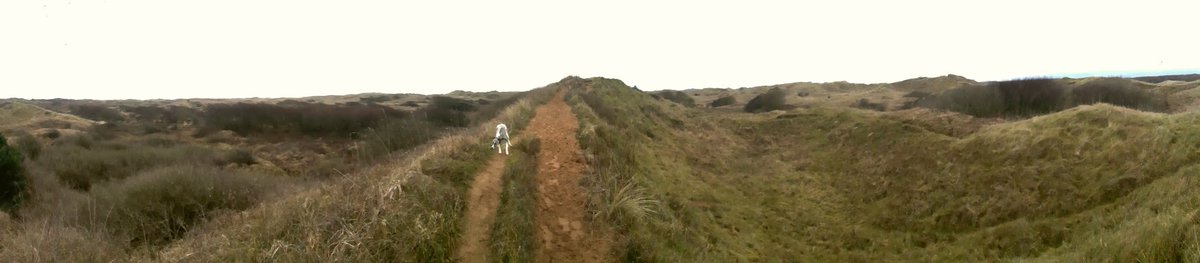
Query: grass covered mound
pixel 1091 183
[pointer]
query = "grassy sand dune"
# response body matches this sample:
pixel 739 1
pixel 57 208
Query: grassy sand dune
pixel 842 184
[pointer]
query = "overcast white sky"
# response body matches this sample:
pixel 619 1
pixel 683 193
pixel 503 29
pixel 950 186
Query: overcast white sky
pixel 111 49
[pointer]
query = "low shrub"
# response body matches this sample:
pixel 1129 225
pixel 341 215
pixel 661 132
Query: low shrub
pixel 774 99
pixel 13 183
pixel 159 205
pixel 80 167
pixel 1026 97
pixel 1014 98
pixel 447 111
pixel 489 110
pixel 52 134
pixel 678 97
pixel 239 157
pixel 866 104
pixel 28 145
pixel 96 112
pixel 294 118
pixel 1182 77
pixel 162 115
pixel 1118 92
pixel 726 100
pixel 394 135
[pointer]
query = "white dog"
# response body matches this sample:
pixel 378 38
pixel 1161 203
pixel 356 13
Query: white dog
pixel 501 137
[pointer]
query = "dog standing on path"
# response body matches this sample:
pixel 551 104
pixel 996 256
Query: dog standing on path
pixel 501 137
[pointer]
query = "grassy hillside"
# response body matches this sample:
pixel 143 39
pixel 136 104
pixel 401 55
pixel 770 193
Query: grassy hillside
pixel 1092 183
pixel 405 211
pixel 24 117
pixel 289 181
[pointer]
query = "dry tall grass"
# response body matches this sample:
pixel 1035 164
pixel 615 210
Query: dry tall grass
pixel 408 210
pixel 1092 183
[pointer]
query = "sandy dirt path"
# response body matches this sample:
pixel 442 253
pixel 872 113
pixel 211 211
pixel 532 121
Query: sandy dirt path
pixel 484 198
pixel 561 234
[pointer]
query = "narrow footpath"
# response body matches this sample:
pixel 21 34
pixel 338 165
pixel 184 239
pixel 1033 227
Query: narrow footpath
pixel 561 232
pixel 483 199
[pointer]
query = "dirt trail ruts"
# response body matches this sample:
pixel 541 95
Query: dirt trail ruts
pixel 561 200
pixel 484 198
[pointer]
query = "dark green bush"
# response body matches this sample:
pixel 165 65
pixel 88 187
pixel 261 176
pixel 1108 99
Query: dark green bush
pixel 1118 92
pixel 1026 97
pixel 774 99
pixel 96 112
pixel 1157 79
pixel 865 103
pixel 159 205
pixel 79 167
pixel 28 145
pixel 162 115
pixel 238 156
pixel 978 101
pixel 1014 98
pixel 447 111
pixel 678 97
pixel 726 100
pixel 489 110
pixel 395 135
pixel 13 183
pixel 52 134
pixel 294 118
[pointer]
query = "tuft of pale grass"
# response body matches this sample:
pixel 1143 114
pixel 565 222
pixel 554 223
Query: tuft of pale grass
pixel 43 241
pixel 629 205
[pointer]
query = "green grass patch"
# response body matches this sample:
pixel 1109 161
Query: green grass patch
pixel 513 235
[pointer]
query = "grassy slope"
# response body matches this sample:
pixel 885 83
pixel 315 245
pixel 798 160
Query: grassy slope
pixel 1087 184
pixel 406 211
pixel 16 115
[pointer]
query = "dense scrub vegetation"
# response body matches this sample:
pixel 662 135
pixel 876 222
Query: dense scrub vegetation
pixel 294 117
pixel 138 183
pixel 1117 92
pixel 1157 79
pixel 13 185
pixel 1030 97
pixel 677 96
pixel 774 99
pixel 722 101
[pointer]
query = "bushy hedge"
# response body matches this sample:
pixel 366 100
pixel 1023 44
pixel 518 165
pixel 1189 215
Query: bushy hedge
pixel 313 119
pixel 1117 92
pixel 866 104
pixel 79 167
pixel 1029 97
pixel 96 112
pixel 159 205
pixel 13 184
pixel 774 99
pixel 678 97
pixel 1024 97
pixel 447 111
pixel 726 100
